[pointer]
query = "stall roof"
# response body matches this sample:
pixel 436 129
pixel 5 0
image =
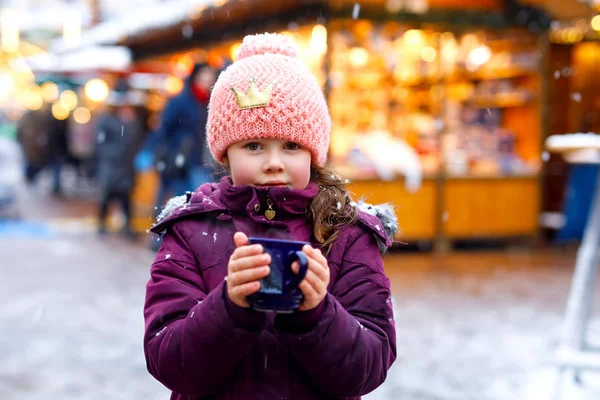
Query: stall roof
pixel 156 28
pixel 563 9
pixel 232 19
pixel 91 58
pixel 137 22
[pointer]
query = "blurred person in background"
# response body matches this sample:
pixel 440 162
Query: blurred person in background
pixel 58 149
pixel 32 134
pixel 44 141
pixel 120 133
pixel 179 144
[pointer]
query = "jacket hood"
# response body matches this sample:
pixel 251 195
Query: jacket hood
pixel 385 214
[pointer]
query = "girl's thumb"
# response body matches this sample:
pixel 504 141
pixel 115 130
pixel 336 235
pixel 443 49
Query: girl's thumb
pixel 240 239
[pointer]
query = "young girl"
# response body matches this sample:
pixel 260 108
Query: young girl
pixel 269 125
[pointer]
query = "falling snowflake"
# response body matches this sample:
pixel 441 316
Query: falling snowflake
pixel 355 11
pixel 179 160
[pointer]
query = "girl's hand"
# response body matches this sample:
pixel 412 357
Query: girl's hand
pixel 247 265
pixel 314 285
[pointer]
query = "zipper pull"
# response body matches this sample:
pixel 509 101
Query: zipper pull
pixel 270 213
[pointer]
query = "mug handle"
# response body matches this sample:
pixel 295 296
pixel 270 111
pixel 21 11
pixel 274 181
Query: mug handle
pixel 302 259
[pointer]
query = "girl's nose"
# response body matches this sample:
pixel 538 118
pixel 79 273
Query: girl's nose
pixel 274 163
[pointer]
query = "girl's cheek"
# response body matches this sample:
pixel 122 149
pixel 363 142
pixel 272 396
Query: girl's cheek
pixel 242 176
pixel 301 177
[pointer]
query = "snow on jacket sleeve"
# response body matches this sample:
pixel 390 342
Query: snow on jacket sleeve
pixel 349 346
pixel 193 339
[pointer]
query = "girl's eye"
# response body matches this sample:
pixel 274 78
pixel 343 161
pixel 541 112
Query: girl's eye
pixel 292 146
pixel 253 146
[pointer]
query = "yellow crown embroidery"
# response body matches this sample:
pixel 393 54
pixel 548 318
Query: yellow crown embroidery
pixel 253 98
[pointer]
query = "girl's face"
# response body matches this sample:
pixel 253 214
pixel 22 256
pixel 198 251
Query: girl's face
pixel 269 162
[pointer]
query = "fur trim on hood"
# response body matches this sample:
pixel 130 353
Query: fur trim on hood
pixel 386 215
pixel 173 204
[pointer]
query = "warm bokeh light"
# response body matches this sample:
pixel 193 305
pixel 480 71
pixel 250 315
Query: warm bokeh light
pixel 59 111
pixel 596 23
pixel 68 99
pixel 182 65
pixel 173 85
pixel 49 91
pixel 234 51
pixel 82 115
pixel 33 99
pixel 215 60
pixel 414 37
pixel 318 40
pixel 96 90
pixel 477 57
pixel 359 56
pixel 428 54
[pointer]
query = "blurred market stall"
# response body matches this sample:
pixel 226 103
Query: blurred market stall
pixel 439 106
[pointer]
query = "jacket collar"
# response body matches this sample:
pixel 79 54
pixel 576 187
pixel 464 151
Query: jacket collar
pixel 253 200
pixel 250 201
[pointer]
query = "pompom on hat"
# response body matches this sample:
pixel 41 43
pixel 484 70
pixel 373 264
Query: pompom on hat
pixel 268 93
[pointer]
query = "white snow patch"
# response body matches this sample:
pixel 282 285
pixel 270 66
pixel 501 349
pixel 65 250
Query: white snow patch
pixel 543 385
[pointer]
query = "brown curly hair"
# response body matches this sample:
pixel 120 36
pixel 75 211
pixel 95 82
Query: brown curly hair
pixel 330 209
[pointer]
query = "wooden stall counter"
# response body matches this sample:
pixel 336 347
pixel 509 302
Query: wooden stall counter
pixel 416 211
pixel 490 207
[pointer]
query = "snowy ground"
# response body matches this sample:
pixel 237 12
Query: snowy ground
pixel 485 332
pixel 475 326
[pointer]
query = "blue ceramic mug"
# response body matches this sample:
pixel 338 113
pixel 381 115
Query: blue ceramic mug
pixel 279 291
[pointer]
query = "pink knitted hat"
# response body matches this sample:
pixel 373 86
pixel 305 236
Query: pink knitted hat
pixel 268 93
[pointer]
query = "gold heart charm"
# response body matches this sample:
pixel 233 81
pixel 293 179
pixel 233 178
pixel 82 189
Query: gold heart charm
pixel 270 214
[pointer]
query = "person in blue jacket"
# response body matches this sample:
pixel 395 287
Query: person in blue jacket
pixel 179 144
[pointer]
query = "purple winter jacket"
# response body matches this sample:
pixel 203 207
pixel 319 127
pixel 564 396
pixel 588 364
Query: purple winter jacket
pixel 202 346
